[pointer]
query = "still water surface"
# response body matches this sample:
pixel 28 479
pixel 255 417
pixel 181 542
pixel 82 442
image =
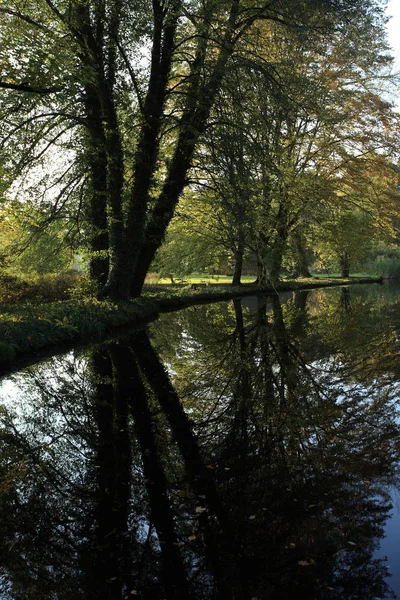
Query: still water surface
pixel 235 451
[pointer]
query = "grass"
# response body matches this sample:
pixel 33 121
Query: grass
pixel 154 280
pixel 173 297
pixel 31 327
pixel 201 279
pixel 387 266
pixel 339 276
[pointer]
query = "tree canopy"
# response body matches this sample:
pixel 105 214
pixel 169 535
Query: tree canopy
pixel 266 113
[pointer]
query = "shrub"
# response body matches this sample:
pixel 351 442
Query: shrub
pixel 37 288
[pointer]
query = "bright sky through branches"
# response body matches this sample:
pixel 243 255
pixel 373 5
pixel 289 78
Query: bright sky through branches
pixel 393 27
pixel 393 10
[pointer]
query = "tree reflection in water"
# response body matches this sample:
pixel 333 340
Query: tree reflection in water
pixel 250 461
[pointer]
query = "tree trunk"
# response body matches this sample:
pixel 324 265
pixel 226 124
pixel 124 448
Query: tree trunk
pixel 301 269
pixel 201 96
pixel 345 265
pixel 237 274
pixel 97 210
pixel 277 252
pixel 262 271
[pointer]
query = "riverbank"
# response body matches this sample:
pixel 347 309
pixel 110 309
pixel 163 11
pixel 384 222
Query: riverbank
pixel 175 297
pixel 29 332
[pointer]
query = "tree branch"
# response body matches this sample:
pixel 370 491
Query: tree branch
pixel 24 87
pixel 132 76
pixel 25 18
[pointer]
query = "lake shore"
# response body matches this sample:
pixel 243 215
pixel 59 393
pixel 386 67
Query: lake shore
pixel 32 332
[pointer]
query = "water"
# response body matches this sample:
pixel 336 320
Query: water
pixel 242 450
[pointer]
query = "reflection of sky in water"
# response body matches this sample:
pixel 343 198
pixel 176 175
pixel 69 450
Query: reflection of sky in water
pixel 8 390
pixel 390 544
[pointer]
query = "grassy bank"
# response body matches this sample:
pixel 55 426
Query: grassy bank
pixel 172 297
pixel 32 329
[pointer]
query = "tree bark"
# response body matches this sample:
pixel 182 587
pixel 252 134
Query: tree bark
pixel 99 242
pixel 192 124
pixel 344 265
pixel 301 269
pixel 239 252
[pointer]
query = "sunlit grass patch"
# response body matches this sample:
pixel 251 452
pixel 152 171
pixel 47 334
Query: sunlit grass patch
pixel 203 279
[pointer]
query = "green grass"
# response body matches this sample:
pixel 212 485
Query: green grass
pixel 28 328
pixel 247 279
pixel 387 266
pixel 204 279
pixel 339 276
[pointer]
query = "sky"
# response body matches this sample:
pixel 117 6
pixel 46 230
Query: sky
pixel 393 28
pixel 393 10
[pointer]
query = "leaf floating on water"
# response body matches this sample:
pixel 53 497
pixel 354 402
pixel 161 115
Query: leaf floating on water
pixel 306 563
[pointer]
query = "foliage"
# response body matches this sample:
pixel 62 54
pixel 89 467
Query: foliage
pixel 37 288
pixel 383 260
pixel 32 243
pixel 109 108
pixel 347 235
pixel 28 328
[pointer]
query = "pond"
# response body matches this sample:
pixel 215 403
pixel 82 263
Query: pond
pixel 234 451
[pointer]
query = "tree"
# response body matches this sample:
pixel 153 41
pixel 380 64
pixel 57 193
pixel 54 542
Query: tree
pixel 130 127
pixel 284 143
pixel 30 245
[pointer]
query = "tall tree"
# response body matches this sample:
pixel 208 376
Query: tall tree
pixel 129 101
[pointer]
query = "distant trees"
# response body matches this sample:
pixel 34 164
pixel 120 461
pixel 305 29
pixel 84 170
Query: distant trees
pixel 106 107
pixel 299 135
